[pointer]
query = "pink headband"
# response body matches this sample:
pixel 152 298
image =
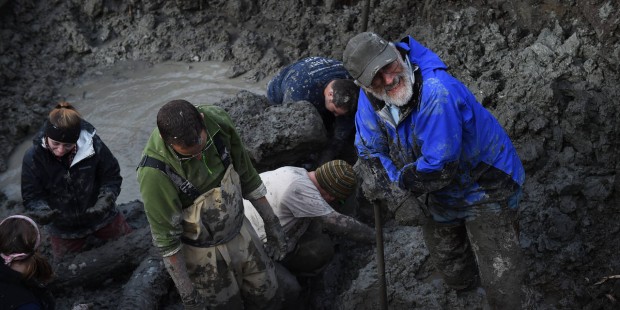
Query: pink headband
pixel 20 256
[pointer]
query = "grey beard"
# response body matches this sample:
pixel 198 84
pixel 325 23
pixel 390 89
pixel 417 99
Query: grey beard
pixel 401 98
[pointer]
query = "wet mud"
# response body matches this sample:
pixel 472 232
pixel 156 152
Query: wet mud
pixel 548 71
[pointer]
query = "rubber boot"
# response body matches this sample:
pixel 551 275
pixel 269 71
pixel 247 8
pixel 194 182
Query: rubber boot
pixel 451 254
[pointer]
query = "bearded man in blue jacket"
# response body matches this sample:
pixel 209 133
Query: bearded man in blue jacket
pixel 431 136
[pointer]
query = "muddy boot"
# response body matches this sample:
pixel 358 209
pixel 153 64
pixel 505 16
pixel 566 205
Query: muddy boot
pixel 494 238
pixel 451 254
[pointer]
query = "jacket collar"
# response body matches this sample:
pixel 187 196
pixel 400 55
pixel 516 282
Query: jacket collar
pixel 85 143
pixel 382 108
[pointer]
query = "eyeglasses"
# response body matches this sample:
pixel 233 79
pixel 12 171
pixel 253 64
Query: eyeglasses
pixel 392 68
pixel 183 157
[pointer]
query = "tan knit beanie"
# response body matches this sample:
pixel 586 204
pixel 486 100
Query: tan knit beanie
pixel 337 178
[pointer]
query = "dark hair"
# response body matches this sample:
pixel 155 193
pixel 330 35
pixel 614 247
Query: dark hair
pixel 180 123
pixel 20 236
pixel 346 94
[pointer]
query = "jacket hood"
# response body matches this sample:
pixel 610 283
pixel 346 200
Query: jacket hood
pixel 426 59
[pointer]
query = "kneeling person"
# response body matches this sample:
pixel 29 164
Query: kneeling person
pixel 301 201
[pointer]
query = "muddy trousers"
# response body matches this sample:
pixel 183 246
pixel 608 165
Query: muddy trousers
pixel 62 246
pixel 235 275
pixel 486 246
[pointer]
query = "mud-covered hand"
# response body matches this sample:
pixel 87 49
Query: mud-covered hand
pixel 104 204
pixel 177 269
pixel 194 301
pixel 42 213
pixel 419 182
pixel 276 245
pixel 408 177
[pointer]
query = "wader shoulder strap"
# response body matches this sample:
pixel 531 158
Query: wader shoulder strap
pixel 180 182
pixel 222 150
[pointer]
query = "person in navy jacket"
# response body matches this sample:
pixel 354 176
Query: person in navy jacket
pixel 327 85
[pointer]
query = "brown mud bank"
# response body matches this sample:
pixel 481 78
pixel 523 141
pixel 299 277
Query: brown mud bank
pixel 548 70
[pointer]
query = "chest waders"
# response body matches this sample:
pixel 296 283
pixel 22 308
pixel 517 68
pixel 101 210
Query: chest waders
pixel 225 258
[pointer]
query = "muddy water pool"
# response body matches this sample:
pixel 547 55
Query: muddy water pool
pixel 122 103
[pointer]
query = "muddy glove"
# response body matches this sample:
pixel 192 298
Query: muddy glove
pixel 408 178
pixel 277 244
pixel 420 182
pixel 42 213
pixel 194 301
pixel 104 204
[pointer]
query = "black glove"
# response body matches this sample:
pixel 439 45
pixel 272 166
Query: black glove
pixel 42 213
pixel 194 301
pixel 407 179
pixel 104 204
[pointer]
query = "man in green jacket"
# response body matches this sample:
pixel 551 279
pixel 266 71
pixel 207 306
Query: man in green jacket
pixel 193 178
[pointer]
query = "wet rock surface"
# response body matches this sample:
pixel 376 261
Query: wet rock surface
pixel 279 135
pixel 548 70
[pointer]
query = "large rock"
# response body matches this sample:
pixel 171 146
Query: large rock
pixel 548 70
pixel 277 135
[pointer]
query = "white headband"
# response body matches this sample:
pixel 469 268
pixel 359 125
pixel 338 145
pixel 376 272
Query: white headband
pixel 20 256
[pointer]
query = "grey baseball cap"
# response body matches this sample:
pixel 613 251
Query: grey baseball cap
pixel 365 54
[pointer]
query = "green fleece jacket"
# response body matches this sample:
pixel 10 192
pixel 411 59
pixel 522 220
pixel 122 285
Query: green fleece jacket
pixel 163 202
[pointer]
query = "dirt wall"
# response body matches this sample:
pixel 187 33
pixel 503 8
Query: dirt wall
pixel 547 69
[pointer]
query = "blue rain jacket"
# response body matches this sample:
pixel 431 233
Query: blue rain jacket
pixel 452 146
